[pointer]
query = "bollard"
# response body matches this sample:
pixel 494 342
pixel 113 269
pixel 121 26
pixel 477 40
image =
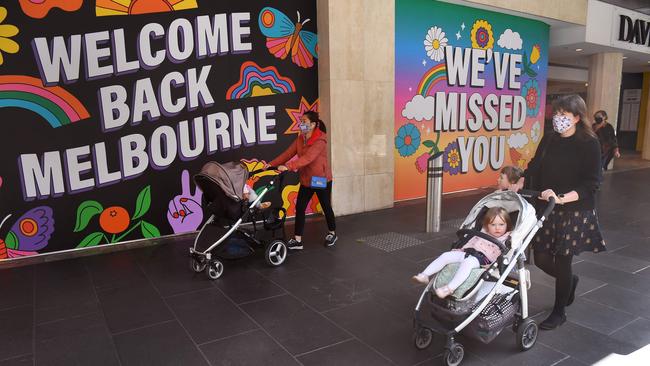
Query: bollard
pixel 434 192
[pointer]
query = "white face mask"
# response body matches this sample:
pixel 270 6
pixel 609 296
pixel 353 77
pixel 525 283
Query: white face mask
pixel 561 123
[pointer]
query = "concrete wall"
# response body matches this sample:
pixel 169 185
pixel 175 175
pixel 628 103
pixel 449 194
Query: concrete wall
pixel 356 77
pixel 572 11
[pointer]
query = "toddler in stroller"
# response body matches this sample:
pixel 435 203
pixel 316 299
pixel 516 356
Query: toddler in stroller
pixel 476 253
pixel 491 298
pixel 230 204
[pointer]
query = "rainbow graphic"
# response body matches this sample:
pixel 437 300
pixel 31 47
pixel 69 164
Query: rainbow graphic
pixel 432 77
pixel 55 104
pixel 255 81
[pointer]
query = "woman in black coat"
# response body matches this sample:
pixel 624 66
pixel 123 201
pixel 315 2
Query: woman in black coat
pixel 607 137
pixel 566 166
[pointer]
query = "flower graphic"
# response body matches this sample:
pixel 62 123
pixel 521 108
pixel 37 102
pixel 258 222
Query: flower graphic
pixel 407 140
pixel 421 162
pixel 535 132
pixel 451 159
pixel 535 53
pixel 434 43
pixel 530 91
pixel 7 30
pixel 481 35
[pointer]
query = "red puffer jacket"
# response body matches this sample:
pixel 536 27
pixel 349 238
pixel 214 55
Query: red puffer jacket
pixel 312 157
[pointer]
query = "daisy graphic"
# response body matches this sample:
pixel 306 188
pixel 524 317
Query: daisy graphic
pixel 435 42
pixel 7 45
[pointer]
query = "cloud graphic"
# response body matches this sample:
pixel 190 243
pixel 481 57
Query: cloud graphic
pixel 419 108
pixel 510 40
pixel 517 140
pixel 535 132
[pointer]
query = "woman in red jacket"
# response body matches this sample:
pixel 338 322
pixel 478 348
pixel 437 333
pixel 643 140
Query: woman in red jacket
pixel 313 168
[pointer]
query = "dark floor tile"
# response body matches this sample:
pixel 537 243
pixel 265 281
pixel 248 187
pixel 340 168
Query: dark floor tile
pixel 615 261
pixel 584 344
pixel 639 250
pixel 294 325
pixel 503 350
pixel 17 287
pixel 25 360
pixel 238 351
pixel 570 361
pixel 319 292
pixel 242 284
pixel 173 275
pixel 352 353
pixel 384 331
pixel 113 269
pixel 613 276
pixel 132 306
pixel 597 317
pixel 636 333
pixel 208 315
pixel 77 341
pixel 63 289
pixel 622 299
pixel 16 331
pixel 160 345
pixel 417 253
pixel 468 360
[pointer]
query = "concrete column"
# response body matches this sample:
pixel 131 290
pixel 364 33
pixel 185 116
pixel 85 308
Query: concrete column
pixel 605 73
pixel 645 149
pixel 356 86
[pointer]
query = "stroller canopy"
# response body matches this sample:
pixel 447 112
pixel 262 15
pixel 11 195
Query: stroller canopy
pixel 512 202
pixel 229 177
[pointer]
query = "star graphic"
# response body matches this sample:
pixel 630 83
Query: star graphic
pixel 424 62
pixel 410 89
pixel 458 35
pixel 462 26
pixel 295 114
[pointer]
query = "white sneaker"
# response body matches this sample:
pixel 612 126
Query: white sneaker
pixel 420 278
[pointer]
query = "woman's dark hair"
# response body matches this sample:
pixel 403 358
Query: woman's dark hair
pixel 602 114
pixel 313 117
pixel 575 105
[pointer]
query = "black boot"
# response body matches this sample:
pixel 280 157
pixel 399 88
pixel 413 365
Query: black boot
pixel 554 320
pixel 574 285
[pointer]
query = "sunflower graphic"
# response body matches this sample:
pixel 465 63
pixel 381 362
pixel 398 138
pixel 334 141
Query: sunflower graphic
pixel 481 35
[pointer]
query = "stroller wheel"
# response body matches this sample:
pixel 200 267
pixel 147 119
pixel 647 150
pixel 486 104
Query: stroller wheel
pixel 214 270
pixel 454 355
pixel 276 253
pixel 422 338
pixel 527 334
pixel 197 266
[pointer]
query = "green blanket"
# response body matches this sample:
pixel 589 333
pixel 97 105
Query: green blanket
pixel 447 273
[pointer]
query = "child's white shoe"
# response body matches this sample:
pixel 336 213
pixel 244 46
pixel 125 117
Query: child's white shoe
pixel 443 292
pixel 421 278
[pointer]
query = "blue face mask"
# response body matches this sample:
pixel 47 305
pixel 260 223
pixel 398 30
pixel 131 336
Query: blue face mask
pixel 304 127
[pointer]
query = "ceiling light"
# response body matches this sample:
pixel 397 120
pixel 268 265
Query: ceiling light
pixel 578 49
pixel 624 57
pixel 586 84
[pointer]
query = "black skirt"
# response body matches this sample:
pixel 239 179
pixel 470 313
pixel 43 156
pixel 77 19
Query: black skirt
pixel 570 233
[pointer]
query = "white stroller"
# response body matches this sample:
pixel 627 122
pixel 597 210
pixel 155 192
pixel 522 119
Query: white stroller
pixel 491 298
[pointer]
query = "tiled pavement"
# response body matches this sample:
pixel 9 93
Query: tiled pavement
pixel 347 305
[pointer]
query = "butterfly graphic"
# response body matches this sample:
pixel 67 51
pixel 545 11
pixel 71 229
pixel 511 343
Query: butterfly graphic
pixel 27 235
pixel 283 37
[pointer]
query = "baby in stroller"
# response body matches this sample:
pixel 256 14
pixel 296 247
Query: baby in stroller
pixel 475 253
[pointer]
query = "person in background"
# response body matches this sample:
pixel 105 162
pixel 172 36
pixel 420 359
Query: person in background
pixel 508 176
pixel 311 148
pixel 607 137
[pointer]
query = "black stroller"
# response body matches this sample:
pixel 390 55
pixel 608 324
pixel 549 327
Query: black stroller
pixel 223 187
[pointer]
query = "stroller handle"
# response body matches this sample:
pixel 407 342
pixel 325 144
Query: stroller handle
pixel 526 193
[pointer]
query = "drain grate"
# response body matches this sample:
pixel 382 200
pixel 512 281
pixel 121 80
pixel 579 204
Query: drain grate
pixel 390 241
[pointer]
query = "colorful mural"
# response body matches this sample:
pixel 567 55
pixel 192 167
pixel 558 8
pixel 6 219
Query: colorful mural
pixel 109 107
pixel 468 83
